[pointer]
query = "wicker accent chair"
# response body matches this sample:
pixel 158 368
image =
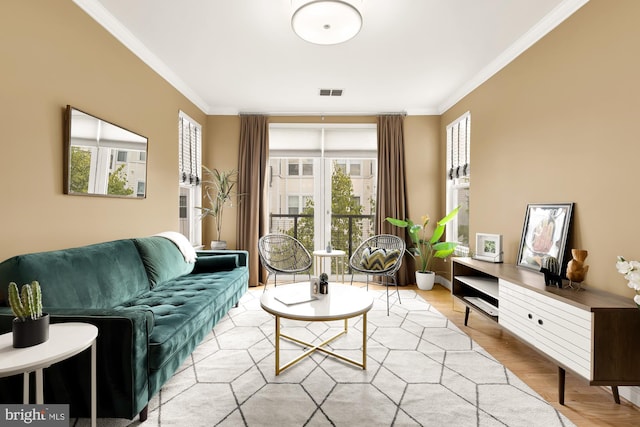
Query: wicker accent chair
pixel 387 269
pixel 283 254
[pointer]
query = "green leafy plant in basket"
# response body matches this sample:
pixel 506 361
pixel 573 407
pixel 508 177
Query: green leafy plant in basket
pixel 426 248
pixel 26 304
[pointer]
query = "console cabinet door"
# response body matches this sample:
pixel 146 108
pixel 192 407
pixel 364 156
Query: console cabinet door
pixel 560 330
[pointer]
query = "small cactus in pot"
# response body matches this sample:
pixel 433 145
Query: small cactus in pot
pixel 26 304
pixel 31 325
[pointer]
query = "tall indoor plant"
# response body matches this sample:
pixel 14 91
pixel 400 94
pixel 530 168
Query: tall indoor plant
pixel 425 249
pixel 218 191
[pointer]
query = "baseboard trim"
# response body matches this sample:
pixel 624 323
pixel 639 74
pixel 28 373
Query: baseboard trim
pixel 632 394
pixel 443 281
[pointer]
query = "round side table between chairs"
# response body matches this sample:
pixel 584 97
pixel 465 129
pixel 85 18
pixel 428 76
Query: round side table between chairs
pixel 337 254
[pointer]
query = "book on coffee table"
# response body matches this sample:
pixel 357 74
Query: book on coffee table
pixel 295 298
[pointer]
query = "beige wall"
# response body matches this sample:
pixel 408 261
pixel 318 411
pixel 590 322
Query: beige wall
pixel 53 54
pixel 422 161
pixel 220 151
pixel 559 124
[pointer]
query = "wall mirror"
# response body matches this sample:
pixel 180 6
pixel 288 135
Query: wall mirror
pixel 102 159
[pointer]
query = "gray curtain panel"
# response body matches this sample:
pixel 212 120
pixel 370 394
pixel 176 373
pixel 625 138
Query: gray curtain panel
pixel 392 200
pixel 252 178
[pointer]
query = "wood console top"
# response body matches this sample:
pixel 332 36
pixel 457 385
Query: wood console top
pixel 587 298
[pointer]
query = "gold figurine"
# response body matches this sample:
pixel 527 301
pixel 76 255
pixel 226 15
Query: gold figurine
pixel 576 270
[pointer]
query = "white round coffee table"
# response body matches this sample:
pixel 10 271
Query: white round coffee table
pixel 65 340
pixel 341 303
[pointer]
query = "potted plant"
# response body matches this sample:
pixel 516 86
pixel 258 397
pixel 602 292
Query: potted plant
pixel 30 326
pixel 218 191
pixel 426 248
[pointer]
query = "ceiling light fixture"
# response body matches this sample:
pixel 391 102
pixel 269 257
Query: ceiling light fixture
pixel 326 22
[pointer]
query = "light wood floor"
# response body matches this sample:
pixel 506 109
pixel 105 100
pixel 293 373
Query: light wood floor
pixel 584 405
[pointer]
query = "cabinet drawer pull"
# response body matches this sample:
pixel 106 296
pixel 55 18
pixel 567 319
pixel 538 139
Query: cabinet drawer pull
pixel 530 316
pixel 540 322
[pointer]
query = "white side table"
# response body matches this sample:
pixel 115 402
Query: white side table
pixel 65 340
pixel 337 254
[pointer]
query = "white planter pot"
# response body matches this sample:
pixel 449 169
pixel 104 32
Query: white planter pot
pixel 425 280
pixel 218 244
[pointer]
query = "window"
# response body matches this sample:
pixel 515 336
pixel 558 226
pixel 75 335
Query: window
pixel 294 205
pixel 351 167
pixel 122 156
pixel 458 180
pixel 322 183
pixel 295 166
pixel 182 210
pixel 190 170
pixel 355 168
pixel 307 167
pixel 140 188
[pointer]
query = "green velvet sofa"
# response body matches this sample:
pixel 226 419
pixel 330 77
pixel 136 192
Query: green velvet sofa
pixel 151 307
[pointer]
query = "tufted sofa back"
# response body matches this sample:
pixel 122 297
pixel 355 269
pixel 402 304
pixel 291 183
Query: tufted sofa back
pixel 102 275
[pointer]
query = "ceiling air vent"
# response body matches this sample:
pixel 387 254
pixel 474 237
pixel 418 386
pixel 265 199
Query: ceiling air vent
pixel 330 92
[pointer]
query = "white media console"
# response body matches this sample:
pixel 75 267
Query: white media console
pixel 591 333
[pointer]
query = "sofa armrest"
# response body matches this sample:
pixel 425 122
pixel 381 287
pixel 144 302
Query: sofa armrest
pixel 122 364
pixel 242 255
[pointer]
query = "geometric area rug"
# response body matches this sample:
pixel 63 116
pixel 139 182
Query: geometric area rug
pixel 421 371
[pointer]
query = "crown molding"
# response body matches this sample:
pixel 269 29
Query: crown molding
pixel 554 18
pixel 102 16
pixel 542 28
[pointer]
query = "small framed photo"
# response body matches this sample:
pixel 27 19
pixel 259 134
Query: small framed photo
pixel 545 234
pixel 489 247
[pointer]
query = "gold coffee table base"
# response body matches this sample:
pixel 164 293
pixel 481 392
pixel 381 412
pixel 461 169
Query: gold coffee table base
pixel 320 347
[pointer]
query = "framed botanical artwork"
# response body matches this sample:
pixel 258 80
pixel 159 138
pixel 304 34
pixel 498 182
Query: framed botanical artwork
pixel 545 233
pixel 488 247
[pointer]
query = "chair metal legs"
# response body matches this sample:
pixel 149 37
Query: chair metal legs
pixel 275 280
pixel 266 281
pixel 294 277
pixel 386 285
pixel 397 292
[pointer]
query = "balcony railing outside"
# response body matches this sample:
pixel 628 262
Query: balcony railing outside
pixel 348 231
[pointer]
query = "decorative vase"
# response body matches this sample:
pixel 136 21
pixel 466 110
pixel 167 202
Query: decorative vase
pixel 576 270
pixel 27 333
pixel 425 280
pixel 218 245
pixel 324 287
pixel 329 248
